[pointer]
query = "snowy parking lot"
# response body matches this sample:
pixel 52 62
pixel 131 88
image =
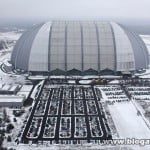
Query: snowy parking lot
pixel 66 113
pixel 127 117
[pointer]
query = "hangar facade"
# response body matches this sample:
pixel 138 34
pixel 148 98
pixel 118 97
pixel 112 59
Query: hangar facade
pixel 79 47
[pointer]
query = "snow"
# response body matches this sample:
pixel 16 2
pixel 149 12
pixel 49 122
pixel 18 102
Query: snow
pixel 4 57
pixel 5 54
pixel 114 82
pixel 35 90
pixel 14 36
pixel 145 74
pixel 128 123
pixel 6 87
pixel 104 76
pixel 38 77
pixel 71 81
pixel 125 117
pixel 13 88
pixel 26 88
pixel 17 125
pixel 124 114
pixel 23 94
pixel 78 147
pixel 11 99
pixel 85 81
pixel 9 38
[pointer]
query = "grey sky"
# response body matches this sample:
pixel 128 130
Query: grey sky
pixel 74 8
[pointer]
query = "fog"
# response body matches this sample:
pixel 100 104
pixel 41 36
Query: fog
pixel 74 9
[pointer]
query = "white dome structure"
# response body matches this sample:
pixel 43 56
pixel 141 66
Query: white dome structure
pixel 79 46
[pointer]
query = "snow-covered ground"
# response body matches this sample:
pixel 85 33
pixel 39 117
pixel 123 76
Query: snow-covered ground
pixel 128 123
pixel 145 74
pixel 125 116
pixel 25 90
pixel 5 54
pixel 7 41
pixel 14 36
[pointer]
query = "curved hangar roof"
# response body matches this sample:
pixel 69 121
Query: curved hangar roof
pixel 80 46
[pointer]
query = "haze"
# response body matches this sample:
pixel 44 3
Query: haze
pixel 74 9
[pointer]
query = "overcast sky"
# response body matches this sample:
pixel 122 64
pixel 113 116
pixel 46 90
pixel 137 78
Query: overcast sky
pixel 74 9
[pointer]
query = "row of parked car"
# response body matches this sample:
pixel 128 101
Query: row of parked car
pixel 49 130
pixel 114 93
pixel 50 100
pixel 139 93
pixel 35 127
pixel 43 99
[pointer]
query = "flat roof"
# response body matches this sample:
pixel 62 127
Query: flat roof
pixel 26 88
pixel 11 99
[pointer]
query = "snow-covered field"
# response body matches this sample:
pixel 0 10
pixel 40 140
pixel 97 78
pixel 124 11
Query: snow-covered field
pixel 14 36
pixel 128 123
pixel 10 39
pixel 7 41
pixel 127 115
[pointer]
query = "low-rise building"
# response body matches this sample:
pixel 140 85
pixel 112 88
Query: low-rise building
pixel 12 101
pixel 9 88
